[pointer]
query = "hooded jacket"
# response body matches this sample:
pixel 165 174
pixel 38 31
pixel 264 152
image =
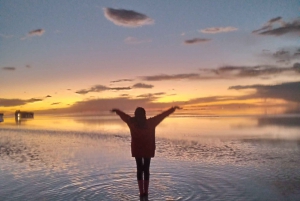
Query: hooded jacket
pixel 143 140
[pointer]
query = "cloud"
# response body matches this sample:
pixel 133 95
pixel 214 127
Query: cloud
pixel 259 71
pixel 48 96
pixel 100 88
pixel 288 91
pixel 36 32
pixel 9 68
pixel 151 96
pixel 17 102
pixel 142 85
pixel 276 19
pixel 249 71
pixel 119 88
pixel 284 55
pixel 269 24
pixel 284 27
pixel 196 40
pixel 229 72
pixel 211 99
pixel 170 77
pixel 214 30
pixel 127 18
pixel 122 80
pixel 132 40
pixel 96 88
pixel 55 103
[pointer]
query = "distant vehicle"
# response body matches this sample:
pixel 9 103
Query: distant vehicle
pixel 1 117
pixel 23 115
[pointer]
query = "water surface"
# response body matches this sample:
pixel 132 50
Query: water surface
pixel 197 158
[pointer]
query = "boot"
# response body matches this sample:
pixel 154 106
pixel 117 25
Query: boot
pixel 141 187
pixel 146 186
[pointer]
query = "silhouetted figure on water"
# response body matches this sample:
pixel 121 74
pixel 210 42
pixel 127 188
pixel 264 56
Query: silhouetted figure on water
pixel 142 132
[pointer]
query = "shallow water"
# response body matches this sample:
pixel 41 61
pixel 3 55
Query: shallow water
pixel 197 158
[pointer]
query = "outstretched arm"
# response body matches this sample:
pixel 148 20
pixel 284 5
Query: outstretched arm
pixel 125 117
pixel 158 118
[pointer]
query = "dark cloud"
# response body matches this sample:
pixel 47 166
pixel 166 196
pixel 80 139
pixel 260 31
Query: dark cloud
pixel 284 27
pixel 260 71
pixel 37 32
pixel 276 19
pixel 249 71
pixel 170 77
pixel 96 88
pixel 28 66
pixel 228 72
pixel 214 30
pixel 196 40
pixel 100 88
pixel 142 85
pixel 48 96
pixel 55 103
pixel 122 80
pixel 128 18
pixel 17 102
pixel 34 100
pixel 286 91
pixel 283 55
pixel 9 68
pixel 269 24
pixel 280 53
pixel 119 88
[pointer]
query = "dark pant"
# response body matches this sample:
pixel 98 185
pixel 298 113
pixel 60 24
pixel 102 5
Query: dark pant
pixel 142 165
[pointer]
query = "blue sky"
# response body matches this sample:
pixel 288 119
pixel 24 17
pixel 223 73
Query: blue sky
pixel 58 48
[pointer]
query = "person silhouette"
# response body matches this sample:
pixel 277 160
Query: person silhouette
pixel 142 132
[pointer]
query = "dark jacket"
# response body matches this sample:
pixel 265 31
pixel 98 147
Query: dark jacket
pixel 143 140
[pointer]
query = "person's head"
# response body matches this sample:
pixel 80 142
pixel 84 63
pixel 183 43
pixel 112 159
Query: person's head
pixel 140 117
pixel 140 113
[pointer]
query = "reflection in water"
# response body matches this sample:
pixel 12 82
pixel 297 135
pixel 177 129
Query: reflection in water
pixel 280 121
pixel 207 159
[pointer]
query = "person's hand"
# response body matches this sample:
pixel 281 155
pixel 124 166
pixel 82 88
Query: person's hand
pixel 177 107
pixel 113 110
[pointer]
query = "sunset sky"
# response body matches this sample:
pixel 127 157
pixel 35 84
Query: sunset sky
pixel 93 55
